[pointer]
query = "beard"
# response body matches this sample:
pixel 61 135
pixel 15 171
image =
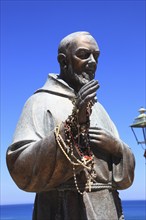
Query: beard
pixel 77 80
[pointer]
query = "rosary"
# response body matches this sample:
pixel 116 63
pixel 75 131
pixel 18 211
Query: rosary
pixel 77 138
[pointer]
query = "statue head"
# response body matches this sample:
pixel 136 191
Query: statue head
pixel 78 57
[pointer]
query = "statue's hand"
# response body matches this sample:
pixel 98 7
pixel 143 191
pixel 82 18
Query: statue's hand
pixel 86 94
pixel 102 139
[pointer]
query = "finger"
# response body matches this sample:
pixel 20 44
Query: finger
pixel 86 90
pixel 88 95
pixel 90 82
pixel 95 130
pixel 94 142
pixel 88 86
pixel 94 136
pixel 89 91
pixel 85 100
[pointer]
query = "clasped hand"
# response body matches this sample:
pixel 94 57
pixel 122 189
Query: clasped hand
pixel 102 139
pixel 86 94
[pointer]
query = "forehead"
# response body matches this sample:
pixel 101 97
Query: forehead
pixel 85 41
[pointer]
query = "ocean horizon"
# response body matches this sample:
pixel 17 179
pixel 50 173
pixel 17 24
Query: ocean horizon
pixel 133 210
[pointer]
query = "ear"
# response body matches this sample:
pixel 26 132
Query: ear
pixel 62 60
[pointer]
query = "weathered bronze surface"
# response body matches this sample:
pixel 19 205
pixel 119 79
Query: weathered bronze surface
pixel 37 163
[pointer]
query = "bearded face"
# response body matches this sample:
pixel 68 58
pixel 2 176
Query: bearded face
pixel 82 61
pixel 76 79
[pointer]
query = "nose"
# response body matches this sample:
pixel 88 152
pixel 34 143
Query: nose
pixel 92 61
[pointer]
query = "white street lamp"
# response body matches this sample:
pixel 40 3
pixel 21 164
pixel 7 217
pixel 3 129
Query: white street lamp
pixel 140 122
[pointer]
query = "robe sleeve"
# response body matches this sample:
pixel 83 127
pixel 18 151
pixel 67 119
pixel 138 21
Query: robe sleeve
pixel 123 168
pixel 34 159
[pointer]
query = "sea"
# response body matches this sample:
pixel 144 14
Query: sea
pixel 133 210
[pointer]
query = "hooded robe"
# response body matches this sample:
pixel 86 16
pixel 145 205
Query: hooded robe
pixel 37 164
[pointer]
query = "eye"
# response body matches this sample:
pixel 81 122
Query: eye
pixel 82 54
pixel 96 55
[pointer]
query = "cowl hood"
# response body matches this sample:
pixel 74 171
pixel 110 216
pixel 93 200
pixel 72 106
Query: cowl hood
pixel 57 86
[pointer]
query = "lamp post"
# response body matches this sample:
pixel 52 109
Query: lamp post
pixel 140 122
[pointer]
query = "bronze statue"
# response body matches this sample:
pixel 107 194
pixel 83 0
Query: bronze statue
pixel 66 148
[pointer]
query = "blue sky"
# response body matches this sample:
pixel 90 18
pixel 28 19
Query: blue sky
pixel 30 34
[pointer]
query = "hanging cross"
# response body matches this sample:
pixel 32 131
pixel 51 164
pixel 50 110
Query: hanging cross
pixel 90 182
